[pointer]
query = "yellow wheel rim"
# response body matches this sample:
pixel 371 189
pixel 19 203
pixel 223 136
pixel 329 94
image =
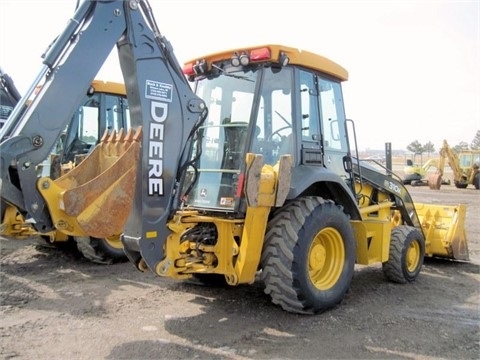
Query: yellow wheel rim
pixel 114 241
pixel 396 218
pixel 326 258
pixel 412 257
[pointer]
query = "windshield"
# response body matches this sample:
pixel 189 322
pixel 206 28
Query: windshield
pixel 239 121
pixel 229 101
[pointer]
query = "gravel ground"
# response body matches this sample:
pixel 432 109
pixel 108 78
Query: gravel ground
pixel 55 305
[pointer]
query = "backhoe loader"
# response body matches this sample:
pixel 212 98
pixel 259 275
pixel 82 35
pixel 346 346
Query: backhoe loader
pixel 464 164
pixel 246 175
pixel 103 108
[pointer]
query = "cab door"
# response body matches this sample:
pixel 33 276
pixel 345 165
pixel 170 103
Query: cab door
pixel 311 139
pixel 333 126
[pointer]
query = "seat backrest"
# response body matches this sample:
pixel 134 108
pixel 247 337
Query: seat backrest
pixel 286 146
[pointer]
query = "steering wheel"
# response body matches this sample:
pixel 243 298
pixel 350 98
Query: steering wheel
pixel 277 133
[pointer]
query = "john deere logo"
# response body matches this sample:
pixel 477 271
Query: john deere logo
pixel 203 192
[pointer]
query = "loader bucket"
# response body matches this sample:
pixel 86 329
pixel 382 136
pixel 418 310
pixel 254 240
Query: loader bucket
pixel 95 197
pixel 444 230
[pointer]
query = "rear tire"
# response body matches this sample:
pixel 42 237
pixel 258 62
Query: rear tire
pixel 308 256
pixel 104 251
pixel 461 185
pixel 407 251
pixel 476 181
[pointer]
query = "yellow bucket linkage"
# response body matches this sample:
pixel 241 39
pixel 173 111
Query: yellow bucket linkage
pixel 103 183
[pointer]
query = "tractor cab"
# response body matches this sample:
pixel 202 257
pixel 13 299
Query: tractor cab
pixel 258 105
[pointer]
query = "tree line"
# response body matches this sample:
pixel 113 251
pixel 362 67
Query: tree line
pixel 417 148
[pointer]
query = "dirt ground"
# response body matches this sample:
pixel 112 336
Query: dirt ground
pixel 58 306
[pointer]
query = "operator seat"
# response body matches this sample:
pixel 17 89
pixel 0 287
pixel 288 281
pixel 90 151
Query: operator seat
pixel 286 146
pixel 235 139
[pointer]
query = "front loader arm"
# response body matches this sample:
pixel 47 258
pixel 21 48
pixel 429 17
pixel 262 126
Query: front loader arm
pixel 161 104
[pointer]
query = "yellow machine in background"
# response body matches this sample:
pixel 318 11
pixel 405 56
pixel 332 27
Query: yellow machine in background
pixel 464 164
pixel 104 109
pixel 414 174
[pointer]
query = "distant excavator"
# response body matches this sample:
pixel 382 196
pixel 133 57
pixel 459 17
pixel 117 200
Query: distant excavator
pixel 416 175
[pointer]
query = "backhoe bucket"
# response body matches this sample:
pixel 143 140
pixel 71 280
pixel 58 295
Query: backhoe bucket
pixel 435 181
pixel 444 229
pixel 95 197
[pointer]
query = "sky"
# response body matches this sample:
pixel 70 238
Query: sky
pixel 414 66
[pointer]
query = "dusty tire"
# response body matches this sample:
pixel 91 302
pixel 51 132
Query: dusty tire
pixel 101 251
pixel 407 250
pixel 308 256
pixel 476 181
pixel 461 185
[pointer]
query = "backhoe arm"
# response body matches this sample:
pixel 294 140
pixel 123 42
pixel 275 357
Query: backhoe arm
pixel 446 155
pixel 446 152
pixel 161 104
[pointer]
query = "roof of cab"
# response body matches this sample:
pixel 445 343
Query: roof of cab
pixel 297 57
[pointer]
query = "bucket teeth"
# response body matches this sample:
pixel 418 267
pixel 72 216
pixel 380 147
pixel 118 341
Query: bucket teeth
pixel 115 143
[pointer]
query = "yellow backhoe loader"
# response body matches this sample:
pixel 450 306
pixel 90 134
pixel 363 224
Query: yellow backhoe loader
pixel 103 108
pixel 464 164
pixel 246 175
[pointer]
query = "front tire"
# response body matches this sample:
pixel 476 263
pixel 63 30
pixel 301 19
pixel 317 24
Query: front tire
pixel 308 257
pixel 407 251
pixel 461 184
